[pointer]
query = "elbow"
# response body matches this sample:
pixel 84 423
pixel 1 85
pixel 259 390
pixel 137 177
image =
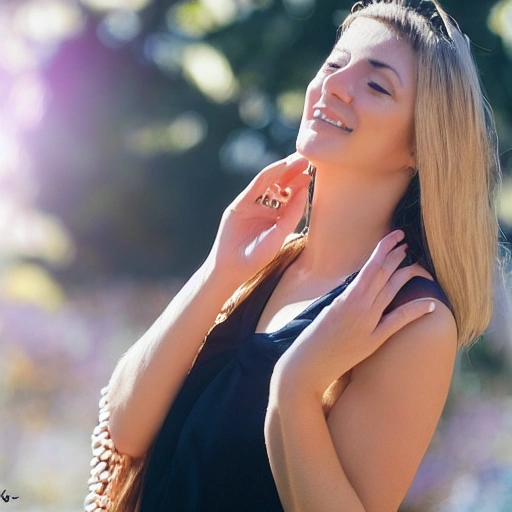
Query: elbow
pixel 130 451
pixel 124 445
pixel 114 425
pixel 124 438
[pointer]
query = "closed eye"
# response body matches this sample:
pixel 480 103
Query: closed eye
pixel 373 85
pixel 378 88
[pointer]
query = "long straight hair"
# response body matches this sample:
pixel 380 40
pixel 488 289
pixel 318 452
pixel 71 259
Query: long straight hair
pixel 457 165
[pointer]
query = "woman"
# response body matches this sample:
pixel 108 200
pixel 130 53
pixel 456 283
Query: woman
pixel 321 384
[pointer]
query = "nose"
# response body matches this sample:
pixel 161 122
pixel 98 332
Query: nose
pixel 340 84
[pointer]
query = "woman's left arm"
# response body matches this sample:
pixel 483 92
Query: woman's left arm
pixel 363 457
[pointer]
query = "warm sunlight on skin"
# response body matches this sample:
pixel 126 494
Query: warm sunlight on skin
pixel 374 102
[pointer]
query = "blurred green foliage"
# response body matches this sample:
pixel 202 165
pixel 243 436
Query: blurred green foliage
pixel 158 114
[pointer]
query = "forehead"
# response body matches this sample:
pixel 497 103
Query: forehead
pixel 371 38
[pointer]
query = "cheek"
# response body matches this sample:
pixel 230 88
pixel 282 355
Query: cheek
pixel 392 127
pixel 311 98
pixel 313 94
pixel 389 135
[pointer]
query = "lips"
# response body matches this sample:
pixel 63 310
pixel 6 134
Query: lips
pixel 318 114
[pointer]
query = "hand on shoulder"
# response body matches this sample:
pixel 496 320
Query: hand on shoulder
pixel 358 322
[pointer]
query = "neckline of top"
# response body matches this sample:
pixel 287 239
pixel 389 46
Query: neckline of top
pixel 314 304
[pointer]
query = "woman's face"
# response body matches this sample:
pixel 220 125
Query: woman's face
pixel 359 108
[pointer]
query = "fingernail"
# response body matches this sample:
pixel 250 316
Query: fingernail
pixel 431 307
pixel 285 192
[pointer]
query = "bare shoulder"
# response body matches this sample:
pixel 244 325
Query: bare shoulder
pixel 383 422
pixel 426 342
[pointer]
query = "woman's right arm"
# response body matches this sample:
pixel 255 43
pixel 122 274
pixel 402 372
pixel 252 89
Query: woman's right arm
pixel 150 374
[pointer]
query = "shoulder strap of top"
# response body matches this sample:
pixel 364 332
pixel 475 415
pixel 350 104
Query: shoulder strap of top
pixel 418 288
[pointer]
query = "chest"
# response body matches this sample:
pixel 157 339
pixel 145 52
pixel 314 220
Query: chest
pixel 284 306
pixel 275 316
pixel 292 297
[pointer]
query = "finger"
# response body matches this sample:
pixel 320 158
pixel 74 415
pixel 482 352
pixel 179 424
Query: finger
pixel 277 193
pixel 286 223
pixel 384 260
pixel 383 248
pixel 273 202
pixel 293 210
pixel 395 284
pixel 296 165
pixel 290 209
pixel 281 172
pixel 402 316
pixel 284 194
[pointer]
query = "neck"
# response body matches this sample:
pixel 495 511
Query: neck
pixel 350 215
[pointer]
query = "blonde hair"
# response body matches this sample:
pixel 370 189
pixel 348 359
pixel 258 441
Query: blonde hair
pixel 457 165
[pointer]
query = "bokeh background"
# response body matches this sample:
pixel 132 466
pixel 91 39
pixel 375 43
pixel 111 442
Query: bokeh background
pixel 126 126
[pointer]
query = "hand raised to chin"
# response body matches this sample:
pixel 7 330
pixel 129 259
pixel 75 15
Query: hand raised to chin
pixel 255 225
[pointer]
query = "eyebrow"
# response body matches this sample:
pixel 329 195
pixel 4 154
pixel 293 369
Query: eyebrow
pixel 382 65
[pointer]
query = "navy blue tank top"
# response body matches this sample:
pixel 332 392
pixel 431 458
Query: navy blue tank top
pixel 210 453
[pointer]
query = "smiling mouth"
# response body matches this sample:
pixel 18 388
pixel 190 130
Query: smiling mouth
pixel 338 124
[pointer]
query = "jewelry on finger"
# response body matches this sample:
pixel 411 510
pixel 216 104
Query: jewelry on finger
pixel 276 191
pixel 265 200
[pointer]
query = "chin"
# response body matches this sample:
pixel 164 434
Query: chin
pixel 313 151
pixel 307 146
